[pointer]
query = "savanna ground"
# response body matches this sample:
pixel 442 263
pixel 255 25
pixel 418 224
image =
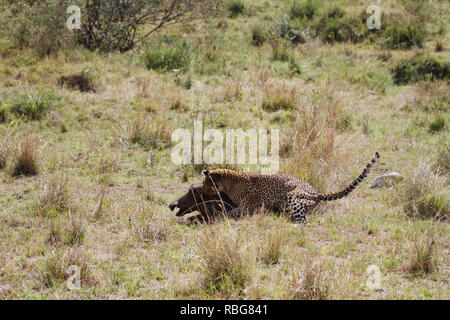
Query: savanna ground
pixel 86 177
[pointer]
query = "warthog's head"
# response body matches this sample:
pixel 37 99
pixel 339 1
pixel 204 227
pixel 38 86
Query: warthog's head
pixel 196 200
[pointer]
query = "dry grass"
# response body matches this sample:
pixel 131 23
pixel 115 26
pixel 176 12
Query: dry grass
pixel 148 227
pixel 279 97
pixel 54 270
pixel 313 283
pixel 26 157
pixel 76 231
pixel 422 194
pixel 312 137
pixel 55 197
pixel 232 91
pixel 423 259
pixel 150 133
pixel 227 260
pixel 273 241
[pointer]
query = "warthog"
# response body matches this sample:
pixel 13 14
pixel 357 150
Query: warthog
pixel 208 206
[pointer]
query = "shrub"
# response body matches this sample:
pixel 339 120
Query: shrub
pixel 33 106
pixel 116 24
pixel 304 10
pixel 419 68
pixel 335 26
pixel 42 26
pixel 294 67
pixel 290 31
pixel 167 54
pixel 26 159
pixel 235 7
pixel 404 36
pixel 279 51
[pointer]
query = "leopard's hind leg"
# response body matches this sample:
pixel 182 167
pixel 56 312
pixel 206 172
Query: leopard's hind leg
pixel 299 207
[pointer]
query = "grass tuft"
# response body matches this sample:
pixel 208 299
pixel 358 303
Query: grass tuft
pixel 55 268
pixel 422 194
pixel 26 158
pixel 55 198
pixel 166 54
pixel 34 106
pixel 227 262
pixel 422 259
pixel 279 98
pixel 315 284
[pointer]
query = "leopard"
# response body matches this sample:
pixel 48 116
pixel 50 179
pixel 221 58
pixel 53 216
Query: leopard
pixel 273 191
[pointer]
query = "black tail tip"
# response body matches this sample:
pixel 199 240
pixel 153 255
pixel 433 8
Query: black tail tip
pixel 376 155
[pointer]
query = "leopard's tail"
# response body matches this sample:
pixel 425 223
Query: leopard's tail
pixel 346 191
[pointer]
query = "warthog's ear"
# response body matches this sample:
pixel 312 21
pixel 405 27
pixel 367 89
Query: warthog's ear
pixel 206 172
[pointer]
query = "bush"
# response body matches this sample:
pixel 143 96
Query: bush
pixel 42 26
pixel 115 24
pixel 420 68
pixel 34 106
pixel 336 27
pixel 404 36
pixel 166 54
pixel 290 31
pixel 304 10
pixel 235 7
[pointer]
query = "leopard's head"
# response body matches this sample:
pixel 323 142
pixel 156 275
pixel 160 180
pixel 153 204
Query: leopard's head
pixel 212 183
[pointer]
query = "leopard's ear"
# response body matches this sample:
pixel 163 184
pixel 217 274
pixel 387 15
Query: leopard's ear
pixel 206 172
